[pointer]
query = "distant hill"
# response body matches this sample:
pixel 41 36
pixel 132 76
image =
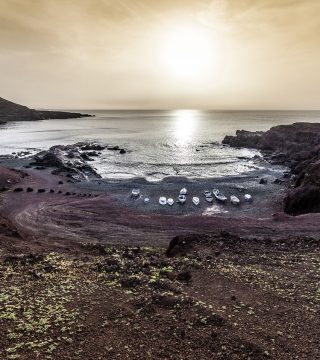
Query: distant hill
pixel 10 111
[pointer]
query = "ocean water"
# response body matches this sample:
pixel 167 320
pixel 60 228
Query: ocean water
pixel 159 143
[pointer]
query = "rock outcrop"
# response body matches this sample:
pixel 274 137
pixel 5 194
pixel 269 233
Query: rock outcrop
pixel 68 159
pixel 296 146
pixel 10 111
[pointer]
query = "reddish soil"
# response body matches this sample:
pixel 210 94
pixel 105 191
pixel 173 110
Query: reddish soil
pixel 254 295
pixel 63 219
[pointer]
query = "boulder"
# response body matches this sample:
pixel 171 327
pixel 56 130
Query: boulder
pixel 304 199
pixel 91 147
pixel 114 148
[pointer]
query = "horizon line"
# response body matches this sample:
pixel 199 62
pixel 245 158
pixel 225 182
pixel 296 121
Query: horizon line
pixel 175 109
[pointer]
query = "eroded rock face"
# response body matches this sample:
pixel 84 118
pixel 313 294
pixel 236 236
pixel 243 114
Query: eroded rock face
pixel 298 147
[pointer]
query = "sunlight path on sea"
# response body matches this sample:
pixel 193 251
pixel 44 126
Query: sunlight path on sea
pixel 185 123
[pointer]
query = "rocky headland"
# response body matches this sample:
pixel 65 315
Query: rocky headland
pixel 296 146
pixel 10 111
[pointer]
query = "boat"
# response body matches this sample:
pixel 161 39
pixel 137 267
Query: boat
pixel 135 193
pixel 162 200
pixel 146 200
pixel 183 191
pixel 170 201
pixel 207 193
pixel 196 200
pixel 248 197
pixel 182 199
pixel 234 200
pixel 209 199
pixel 219 196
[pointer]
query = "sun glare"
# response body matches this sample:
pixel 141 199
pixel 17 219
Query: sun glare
pixel 189 53
pixel 184 123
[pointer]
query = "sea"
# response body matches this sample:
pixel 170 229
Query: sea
pixel 158 143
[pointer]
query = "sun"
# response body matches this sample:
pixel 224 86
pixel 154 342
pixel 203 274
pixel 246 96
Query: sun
pixel 189 53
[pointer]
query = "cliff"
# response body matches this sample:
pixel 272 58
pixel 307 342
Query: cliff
pixel 10 111
pixel 296 146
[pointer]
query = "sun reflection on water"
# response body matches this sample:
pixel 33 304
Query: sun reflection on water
pixel 184 126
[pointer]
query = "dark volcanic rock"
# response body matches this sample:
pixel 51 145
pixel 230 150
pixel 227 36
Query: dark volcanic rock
pixel 296 146
pixel 243 138
pixel 114 148
pixel 66 159
pixel 10 111
pixel 86 157
pixel 302 200
pixel 90 147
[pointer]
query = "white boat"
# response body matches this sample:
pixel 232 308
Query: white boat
pixel 207 193
pixel 135 193
pixel 196 200
pixel 248 197
pixel 219 196
pixel 209 199
pixel 162 200
pixel 183 191
pixel 146 200
pixel 182 199
pixel 170 201
pixel 234 200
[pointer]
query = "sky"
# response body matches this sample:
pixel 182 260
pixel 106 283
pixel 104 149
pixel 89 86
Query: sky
pixel 168 54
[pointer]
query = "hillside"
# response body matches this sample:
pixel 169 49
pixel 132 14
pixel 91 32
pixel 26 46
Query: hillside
pixel 10 111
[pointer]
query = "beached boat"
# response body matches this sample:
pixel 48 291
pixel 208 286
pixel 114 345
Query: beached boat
pixel 146 200
pixel 209 198
pixel 219 196
pixel 183 191
pixel 196 200
pixel 162 200
pixel 234 200
pixel 135 193
pixel 170 201
pixel 207 193
pixel 182 199
pixel 248 197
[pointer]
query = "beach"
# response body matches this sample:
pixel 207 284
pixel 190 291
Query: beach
pixel 103 211
pixel 122 271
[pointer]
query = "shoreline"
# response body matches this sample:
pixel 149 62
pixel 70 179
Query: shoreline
pixel 156 278
pixel 66 213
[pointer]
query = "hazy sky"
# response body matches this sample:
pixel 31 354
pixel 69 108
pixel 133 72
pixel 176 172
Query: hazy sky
pixel 241 54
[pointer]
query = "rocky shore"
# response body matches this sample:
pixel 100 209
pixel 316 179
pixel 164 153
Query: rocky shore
pixel 85 269
pixel 10 111
pixel 296 146
pixel 72 160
